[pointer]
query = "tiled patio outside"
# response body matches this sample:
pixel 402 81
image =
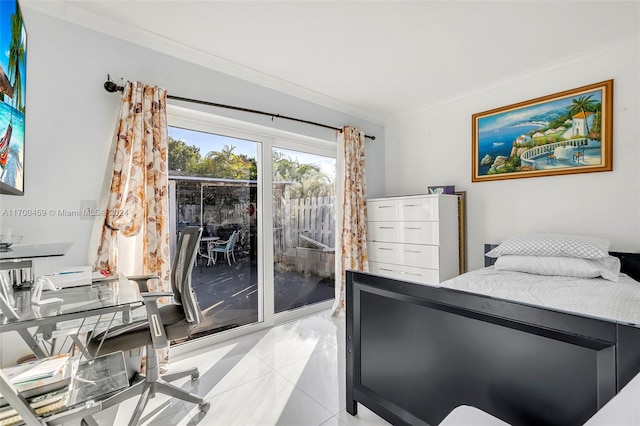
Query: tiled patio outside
pixel 228 295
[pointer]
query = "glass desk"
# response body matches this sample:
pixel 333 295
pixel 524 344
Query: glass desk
pixel 80 301
pixel 17 260
pixel 102 299
pixel 34 250
pixel 106 298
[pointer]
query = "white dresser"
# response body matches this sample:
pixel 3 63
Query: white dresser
pixel 414 238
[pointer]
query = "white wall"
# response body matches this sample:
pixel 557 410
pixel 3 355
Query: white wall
pixel 70 121
pixel 432 146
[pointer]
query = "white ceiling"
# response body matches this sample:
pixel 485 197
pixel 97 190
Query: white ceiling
pixel 369 58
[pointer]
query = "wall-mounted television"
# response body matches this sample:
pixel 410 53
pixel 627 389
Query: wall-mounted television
pixel 13 73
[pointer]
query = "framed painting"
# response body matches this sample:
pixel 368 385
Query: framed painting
pixel 13 73
pixel 563 133
pixel 462 237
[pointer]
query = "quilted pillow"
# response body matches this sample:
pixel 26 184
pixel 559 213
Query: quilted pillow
pixel 553 245
pixel 606 267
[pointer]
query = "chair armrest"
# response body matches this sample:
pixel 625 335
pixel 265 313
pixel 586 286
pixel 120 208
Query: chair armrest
pixel 155 295
pixel 143 277
pixel 141 280
pixel 158 336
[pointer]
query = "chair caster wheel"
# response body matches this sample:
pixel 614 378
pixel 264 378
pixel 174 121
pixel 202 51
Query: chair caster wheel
pixel 195 376
pixel 204 407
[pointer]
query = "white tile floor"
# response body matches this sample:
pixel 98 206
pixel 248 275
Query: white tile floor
pixel 292 374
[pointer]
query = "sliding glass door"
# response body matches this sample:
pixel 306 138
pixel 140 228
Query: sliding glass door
pixel 265 201
pixel 216 188
pixel 303 228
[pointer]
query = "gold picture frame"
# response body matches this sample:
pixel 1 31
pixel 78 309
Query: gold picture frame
pixel 462 238
pixel 564 133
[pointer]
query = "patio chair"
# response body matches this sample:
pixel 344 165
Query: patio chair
pixel 225 247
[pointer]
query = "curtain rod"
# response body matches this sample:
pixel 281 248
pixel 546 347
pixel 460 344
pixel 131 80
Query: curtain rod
pixel 112 87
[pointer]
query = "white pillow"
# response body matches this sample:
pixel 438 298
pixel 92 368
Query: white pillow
pixel 553 245
pixel 606 267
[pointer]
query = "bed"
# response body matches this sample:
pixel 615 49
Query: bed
pixel 416 352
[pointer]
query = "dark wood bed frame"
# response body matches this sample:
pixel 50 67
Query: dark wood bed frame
pixel 415 352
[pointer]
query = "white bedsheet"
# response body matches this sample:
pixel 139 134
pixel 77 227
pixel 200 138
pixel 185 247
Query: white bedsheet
pixel 594 297
pixel 465 415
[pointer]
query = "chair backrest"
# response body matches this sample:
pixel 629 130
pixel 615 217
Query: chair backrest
pixel 232 241
pixel 181 269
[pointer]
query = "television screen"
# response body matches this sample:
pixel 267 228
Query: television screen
pixel 13 68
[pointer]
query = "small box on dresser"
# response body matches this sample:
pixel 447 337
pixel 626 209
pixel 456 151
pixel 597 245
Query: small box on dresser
pixel 414 238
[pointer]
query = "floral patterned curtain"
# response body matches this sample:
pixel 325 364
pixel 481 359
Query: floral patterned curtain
pixel 136 222
pixel 351 192
pixel 138 202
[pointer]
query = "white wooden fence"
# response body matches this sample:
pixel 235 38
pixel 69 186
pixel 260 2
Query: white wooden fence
pixel 303 222
pixel 293 220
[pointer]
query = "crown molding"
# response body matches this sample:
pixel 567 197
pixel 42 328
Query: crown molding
pixel 627 42
pixel 78 15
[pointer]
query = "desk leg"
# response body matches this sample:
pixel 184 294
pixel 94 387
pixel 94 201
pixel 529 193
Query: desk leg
pixel 126 316
pixel 32 343
pixel 16 401
pixel 80 345
pixel 46 332
pixel 90 421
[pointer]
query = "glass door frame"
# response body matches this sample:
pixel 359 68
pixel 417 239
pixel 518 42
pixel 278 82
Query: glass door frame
pixel 267 138
pixel 324 149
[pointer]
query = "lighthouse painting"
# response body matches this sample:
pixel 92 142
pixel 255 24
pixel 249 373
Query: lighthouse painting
pixel 563 133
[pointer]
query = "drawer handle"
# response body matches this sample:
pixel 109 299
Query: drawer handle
pixel 414 228
pixel 405 250
pixel 400 272
pixel 410 273
pixel 410 205
pixel 386 207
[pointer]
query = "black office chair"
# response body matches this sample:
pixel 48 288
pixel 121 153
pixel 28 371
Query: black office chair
pixel 167 322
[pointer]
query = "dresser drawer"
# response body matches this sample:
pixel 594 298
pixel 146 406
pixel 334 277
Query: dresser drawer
pixel 420 256
pixel 404 232
pixel 405 273
pixel 411 209
pixel 382 210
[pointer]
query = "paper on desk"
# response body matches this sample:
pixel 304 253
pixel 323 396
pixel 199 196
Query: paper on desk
pixel 71 276
pixel 40 369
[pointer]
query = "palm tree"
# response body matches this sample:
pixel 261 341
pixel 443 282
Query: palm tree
pixel 597 124
pixel 16 57
pixel 225 164
pixel 583 104
pixel 308 179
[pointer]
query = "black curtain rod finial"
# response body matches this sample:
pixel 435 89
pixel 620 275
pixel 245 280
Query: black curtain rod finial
pixel 112 87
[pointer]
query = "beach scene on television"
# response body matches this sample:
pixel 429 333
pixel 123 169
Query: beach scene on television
pixel 560 133
pixel 13 40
